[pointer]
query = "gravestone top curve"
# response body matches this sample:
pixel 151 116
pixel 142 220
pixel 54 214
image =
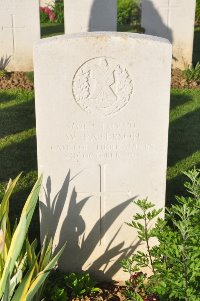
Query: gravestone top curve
pixel 103 35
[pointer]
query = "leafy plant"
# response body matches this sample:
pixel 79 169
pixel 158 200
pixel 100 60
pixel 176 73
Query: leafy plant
pixel 174 261
pixel 58 9
pixel 53 13
pixel 128 12
pixel 2 72
pixel 55 288
pixel 30 76
pixel 57 294
pixel 81 284
pixel 192 73
pixel 22 272
pixel 47 15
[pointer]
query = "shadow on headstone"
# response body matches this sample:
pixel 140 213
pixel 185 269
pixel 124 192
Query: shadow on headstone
pixel 103 16
pixel 159 28
pixel 79 248
pixel 4 61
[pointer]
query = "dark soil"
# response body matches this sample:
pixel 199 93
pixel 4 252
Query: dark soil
pixel 21 80
pixel 108 292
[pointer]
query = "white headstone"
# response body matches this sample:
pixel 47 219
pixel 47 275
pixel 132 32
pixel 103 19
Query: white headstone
pixel 173 20
pixel 44 3
pixel 19 30
pixel 102 129
pixel 90 15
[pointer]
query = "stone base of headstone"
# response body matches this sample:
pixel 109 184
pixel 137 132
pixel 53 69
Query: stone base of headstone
pixel 101 142
pixel 173 20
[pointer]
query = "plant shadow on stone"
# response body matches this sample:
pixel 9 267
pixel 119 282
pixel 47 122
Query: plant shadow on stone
pixel 73 228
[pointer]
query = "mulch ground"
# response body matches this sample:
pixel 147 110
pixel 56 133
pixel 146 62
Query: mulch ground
pixel 179 81
pixel 13 80
pixel 20 80
pixel 108 292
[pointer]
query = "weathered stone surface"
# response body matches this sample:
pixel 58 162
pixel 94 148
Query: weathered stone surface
pixel 90 15
pixel 102 129
pixel 19 30
pixel 173 20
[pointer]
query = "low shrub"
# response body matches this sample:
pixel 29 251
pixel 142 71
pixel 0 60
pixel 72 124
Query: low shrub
pixel 174 261
pixel 58 9
pixel 2 72
pixel 128 12
pixel 47 15
pixel 61 287
pixel 192 73
pixel 80 284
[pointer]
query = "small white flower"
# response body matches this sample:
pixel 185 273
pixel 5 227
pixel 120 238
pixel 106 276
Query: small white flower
pixel 2 241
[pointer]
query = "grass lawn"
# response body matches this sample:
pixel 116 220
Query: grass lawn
pixel 184 139
pixel 18 146
pixel 51 29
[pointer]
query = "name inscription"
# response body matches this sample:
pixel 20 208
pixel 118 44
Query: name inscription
pixel 110 142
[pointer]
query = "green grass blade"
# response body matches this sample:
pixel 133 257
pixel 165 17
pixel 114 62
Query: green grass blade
pixel 31 202
pixel 22 289
pixel 15 281
pixel 45 254
pixel 13 253
pixel 39 280
pixel 31 256
pixel 5 201
pixel 6 293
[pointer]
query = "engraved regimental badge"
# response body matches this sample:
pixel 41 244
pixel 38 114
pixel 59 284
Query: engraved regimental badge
pixel 102 86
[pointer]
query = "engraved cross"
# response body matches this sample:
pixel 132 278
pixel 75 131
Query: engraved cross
pixel 12 28
pixel 102 193
pixel 170 4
